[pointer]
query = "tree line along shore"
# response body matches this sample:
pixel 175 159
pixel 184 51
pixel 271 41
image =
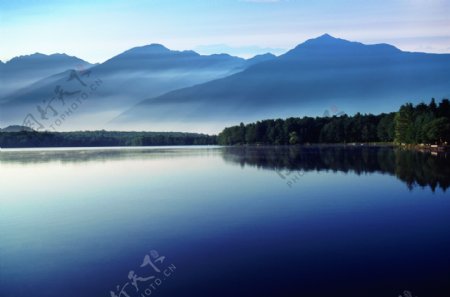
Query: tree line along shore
pixel 24 139
pixel 422 126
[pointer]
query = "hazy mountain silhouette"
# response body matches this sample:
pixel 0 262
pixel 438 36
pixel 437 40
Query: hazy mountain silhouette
pixel 16 128
pixel 308 79
pixel 192 92
pixel 260 58
pixel 127 78
pixel 22 71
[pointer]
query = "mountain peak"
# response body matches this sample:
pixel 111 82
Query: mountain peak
pixel 28 57
pixel 44 58
pixel 157 47
pixel 16 128
pixel 329 45
pixel 326 36
pixel 152 49
pixel 326 39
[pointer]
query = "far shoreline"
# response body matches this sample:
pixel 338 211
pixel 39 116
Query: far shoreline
pixel 416 147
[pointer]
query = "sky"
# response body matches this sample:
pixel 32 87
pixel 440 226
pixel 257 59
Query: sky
pixel 96 30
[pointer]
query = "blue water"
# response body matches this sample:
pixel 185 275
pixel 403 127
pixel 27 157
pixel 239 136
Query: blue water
pixel 228 222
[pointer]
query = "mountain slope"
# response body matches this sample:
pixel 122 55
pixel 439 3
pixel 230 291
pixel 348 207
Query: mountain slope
pixel 308 79
pixel 126 79
pixel 24 70
pixel 16 128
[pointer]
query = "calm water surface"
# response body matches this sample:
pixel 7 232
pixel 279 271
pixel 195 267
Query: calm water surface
pixel 325 221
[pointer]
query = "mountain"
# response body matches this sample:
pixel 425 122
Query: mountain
pixel 16 128
pixel 153 70
pixel 260 58
pixel 187 91
pixel 317 75
pixel 126 79
pixel 24 70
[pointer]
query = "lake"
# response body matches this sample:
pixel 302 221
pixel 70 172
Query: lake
pixel 224 221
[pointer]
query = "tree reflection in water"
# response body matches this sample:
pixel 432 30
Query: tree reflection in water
pixel 412 167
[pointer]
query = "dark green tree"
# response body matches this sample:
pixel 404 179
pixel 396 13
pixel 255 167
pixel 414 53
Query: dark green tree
pixel 404 124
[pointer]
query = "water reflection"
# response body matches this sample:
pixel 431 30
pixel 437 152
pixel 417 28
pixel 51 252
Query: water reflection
pixel 411 167
pixel 85 217
pixel 79 155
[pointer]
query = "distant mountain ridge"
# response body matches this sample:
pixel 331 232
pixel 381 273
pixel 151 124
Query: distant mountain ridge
pixel 152 87
pixel 22 71
pixel 160 57
pixel 16 128
pixel 327 43
pixel 150 70
pixel 306 80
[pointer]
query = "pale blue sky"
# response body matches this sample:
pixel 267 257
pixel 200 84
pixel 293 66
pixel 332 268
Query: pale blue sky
pixel 96 30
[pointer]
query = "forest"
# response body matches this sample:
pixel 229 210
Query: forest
pixel 101 138
pixel 422 123
pixel 411 124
